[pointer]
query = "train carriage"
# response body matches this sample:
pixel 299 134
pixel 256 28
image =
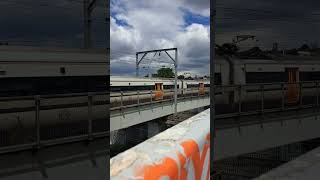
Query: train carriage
pixel 251 73
pixel 126 89
pixel 58 77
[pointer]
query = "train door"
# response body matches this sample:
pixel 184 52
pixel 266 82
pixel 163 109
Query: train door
pixel 201 88
pixel 158 91
pixel 292 87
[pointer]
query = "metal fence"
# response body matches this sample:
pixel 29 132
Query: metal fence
pixel 233 100
pixel 32 122
pixel 249 99
pixel 128 99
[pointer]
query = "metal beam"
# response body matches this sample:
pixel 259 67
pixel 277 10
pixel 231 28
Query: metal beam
pixel 144 55
pixel 169 55
pixel 87 24
pixel 92 5
pixel 157 50
pixel 88 7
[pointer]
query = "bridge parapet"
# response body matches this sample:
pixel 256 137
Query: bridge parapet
pixel 181 152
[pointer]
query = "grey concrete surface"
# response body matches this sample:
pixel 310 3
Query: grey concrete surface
pixel 305 167
pixel 70 161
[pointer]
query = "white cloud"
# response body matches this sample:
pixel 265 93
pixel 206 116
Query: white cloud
pixel 146 25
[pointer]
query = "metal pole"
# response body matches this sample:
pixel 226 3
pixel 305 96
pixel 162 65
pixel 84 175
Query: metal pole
pixel 283 96
pixel 137 65
pixel 90 117
pixel 87 23
pixel 37 115
pixel 175 82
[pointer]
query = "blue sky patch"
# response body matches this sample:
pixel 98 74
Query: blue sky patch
pixel 190 18
pixel 120 22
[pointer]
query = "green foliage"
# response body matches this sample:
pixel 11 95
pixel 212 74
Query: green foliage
pixel 181 77
pixel 165 73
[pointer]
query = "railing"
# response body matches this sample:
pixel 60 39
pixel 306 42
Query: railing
pixel 123 99
pixel 37 119
pixel 234 100
pixel 249 99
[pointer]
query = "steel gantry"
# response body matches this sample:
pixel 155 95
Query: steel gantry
pixel 175 62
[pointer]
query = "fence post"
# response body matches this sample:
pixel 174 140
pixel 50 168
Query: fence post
pixel 121 99
pixel 317 92
pixel 151 99
pixel 138 94
pixel 262 98
pixel 317 101
pixel 90 103
pixel 240 98
pixel 300 89
pixel 37 121
pixel 283 96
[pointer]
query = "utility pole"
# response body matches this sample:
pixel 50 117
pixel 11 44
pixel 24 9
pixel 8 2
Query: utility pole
pixel 88 7
pixel 175 62
pixel 87 23
pixel 176 82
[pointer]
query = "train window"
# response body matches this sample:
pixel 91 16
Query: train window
pixel 192 85
pixel 51 85
pixel 169 86
pixel 2 73
pixel 309 76
pixel 131 88
pixel 266 77
pixel 217 79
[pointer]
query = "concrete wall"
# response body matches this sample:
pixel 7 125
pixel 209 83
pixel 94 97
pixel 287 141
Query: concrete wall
pixel 181 152
pixel 230 142
pixel 131 116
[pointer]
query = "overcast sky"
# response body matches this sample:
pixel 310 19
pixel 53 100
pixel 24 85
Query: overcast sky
pixel 49 23
pixel 288 22
pixel 138 25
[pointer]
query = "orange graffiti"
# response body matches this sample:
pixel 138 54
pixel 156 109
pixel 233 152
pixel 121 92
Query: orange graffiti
pixel 169 167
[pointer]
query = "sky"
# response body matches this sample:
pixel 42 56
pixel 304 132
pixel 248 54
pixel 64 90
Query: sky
pixel 288 22
pixel 139 25
pixel 49 23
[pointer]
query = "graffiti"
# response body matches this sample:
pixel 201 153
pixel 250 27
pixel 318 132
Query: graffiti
pixel 191 164
pixel 180 153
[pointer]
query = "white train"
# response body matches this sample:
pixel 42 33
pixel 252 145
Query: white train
pixel 250 73
pixel 157 88
pixel 230 72
pixel 29 71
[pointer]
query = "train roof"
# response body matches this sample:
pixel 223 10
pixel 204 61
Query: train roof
pixel 41 54
pixel 282 59
pixel 133 78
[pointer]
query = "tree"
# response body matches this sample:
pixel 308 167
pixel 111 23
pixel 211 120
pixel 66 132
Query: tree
pixel 165 73
pixel 181 77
